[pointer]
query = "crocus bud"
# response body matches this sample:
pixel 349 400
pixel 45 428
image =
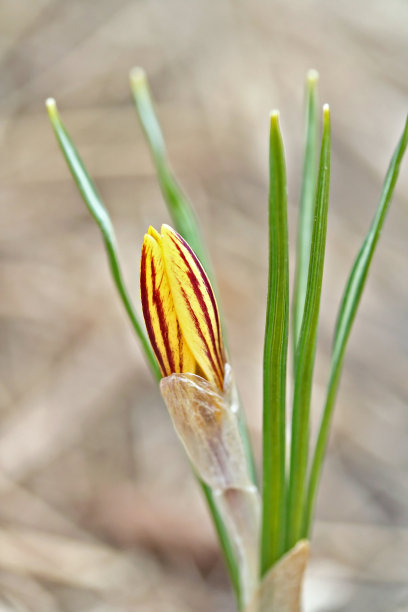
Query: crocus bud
pixel 179 308
pixel 183 325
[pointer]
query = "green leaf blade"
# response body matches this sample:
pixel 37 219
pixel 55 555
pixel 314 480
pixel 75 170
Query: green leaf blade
pixel 347 312
pixel 98 211
pixel 307 346
pixel 275 357
pixel 179 207
pixel 306 209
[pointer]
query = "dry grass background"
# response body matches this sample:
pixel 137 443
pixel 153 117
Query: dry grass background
pixel 98 511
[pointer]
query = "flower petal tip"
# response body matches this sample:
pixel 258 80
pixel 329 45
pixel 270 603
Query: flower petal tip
pixel 153 233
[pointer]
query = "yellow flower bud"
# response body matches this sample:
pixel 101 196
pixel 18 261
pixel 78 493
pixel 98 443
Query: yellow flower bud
pixel 179 308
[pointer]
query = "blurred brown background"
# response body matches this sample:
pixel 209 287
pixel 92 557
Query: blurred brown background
pixel 98 510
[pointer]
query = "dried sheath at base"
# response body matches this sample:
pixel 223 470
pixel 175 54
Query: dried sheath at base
pixel 281 588
pixel 206 422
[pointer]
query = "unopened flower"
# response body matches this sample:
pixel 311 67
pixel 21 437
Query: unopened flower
pixel 183 325
pixel 179 308
pixel 198 387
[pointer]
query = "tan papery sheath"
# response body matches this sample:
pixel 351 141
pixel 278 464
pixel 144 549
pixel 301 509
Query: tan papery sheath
pixel 281 588
pixel 205 419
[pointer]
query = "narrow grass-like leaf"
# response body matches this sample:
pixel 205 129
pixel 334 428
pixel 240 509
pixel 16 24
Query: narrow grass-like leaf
pixel 306 348
pixel 306 208
pixel 98 211
pixel 179 207
pixel 275 354
pixel 347 312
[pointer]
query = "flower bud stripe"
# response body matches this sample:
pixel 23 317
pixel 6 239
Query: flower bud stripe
pixel 162 325
pixel 179 307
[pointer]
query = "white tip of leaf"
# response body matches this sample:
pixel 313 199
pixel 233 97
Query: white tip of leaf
pixel 51 105
pixel 274 117
pixel 326 114
pixel 312 76
pixel 137 77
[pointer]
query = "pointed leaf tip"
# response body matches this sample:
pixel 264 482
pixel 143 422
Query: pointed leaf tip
pixel 312 76
pixel 52 109
pixel 50 103
pixel 137 76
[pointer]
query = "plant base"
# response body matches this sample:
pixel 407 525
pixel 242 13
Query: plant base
pixel 281 588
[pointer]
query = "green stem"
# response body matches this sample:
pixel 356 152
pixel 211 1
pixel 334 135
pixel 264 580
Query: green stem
pixel 275 354
pixel 307 346
pixel 347 312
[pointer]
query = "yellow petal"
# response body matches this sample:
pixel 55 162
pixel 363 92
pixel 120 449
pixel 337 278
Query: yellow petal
pixel 154 234
pixel 195 304
pixel 162 325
